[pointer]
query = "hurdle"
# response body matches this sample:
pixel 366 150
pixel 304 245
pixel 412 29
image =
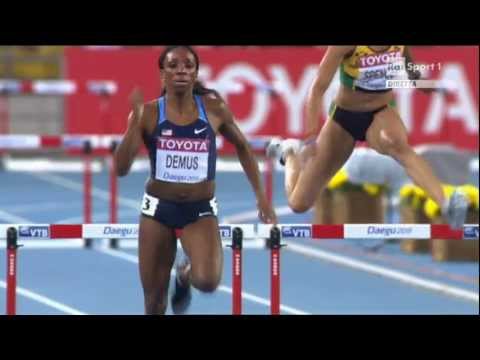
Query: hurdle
pixel 86 144
pixel 270 235
pixel 90 144
pixel 235 234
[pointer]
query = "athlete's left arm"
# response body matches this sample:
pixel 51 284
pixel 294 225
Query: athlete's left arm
pixel 414 74
pixel 233 134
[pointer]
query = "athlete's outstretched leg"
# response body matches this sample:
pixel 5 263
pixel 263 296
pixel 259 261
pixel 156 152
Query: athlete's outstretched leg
pixel 308 170
pixel 388 136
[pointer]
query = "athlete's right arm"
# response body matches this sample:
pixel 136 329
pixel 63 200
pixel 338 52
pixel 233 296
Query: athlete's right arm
pixel 325 73
pixel 132 139
pixel 416 75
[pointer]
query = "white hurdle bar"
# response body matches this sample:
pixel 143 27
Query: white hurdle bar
pixel 252 231
pixel 72 236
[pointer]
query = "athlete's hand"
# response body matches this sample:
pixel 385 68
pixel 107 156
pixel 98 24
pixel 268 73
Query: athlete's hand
pixel 414 75
pixel 265 211
pixel 136 99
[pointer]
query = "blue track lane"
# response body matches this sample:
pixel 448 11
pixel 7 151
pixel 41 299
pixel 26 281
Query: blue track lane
pixel 97 283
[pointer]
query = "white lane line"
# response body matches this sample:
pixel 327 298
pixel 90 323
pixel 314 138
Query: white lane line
pixel 382 271
pixel 45 300
pixel 99 217
pixel 10 218
pixel 76 186
pixel 40 207
pixel 47 244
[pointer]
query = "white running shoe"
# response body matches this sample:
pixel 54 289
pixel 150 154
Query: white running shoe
pixel 455 210
pixel 273 149
pixel 277 148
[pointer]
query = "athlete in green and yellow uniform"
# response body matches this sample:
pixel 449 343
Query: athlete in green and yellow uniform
pixel 361 111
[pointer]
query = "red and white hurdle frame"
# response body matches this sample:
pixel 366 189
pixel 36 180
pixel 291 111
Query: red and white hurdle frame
pixel 371 231
pixel 29 233
pixel 235 233
pixel 88 144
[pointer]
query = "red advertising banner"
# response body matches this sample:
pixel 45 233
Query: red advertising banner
pixel 245 76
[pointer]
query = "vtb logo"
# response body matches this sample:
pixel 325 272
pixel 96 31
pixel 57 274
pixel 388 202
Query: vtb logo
pixel 34 231
pixel 296 232
pixel 470 232
pixel 225 231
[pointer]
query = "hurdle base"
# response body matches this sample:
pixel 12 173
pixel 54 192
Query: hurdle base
pixel 323 208
pixel 88 243
pixel 351 206
pixel 455 250
pixel 411 215
pixel 411 246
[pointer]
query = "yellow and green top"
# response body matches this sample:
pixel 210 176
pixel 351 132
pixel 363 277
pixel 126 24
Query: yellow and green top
pixel 368 70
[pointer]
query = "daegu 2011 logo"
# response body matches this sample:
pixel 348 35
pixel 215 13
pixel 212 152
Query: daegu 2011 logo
pixel 470 232
pixel 296 232
pixel 120 231
pixel 225 231
pixel 35 232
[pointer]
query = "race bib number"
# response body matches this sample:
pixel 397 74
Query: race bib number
pixel 182 160
pixel 375 70
pixel 149 205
